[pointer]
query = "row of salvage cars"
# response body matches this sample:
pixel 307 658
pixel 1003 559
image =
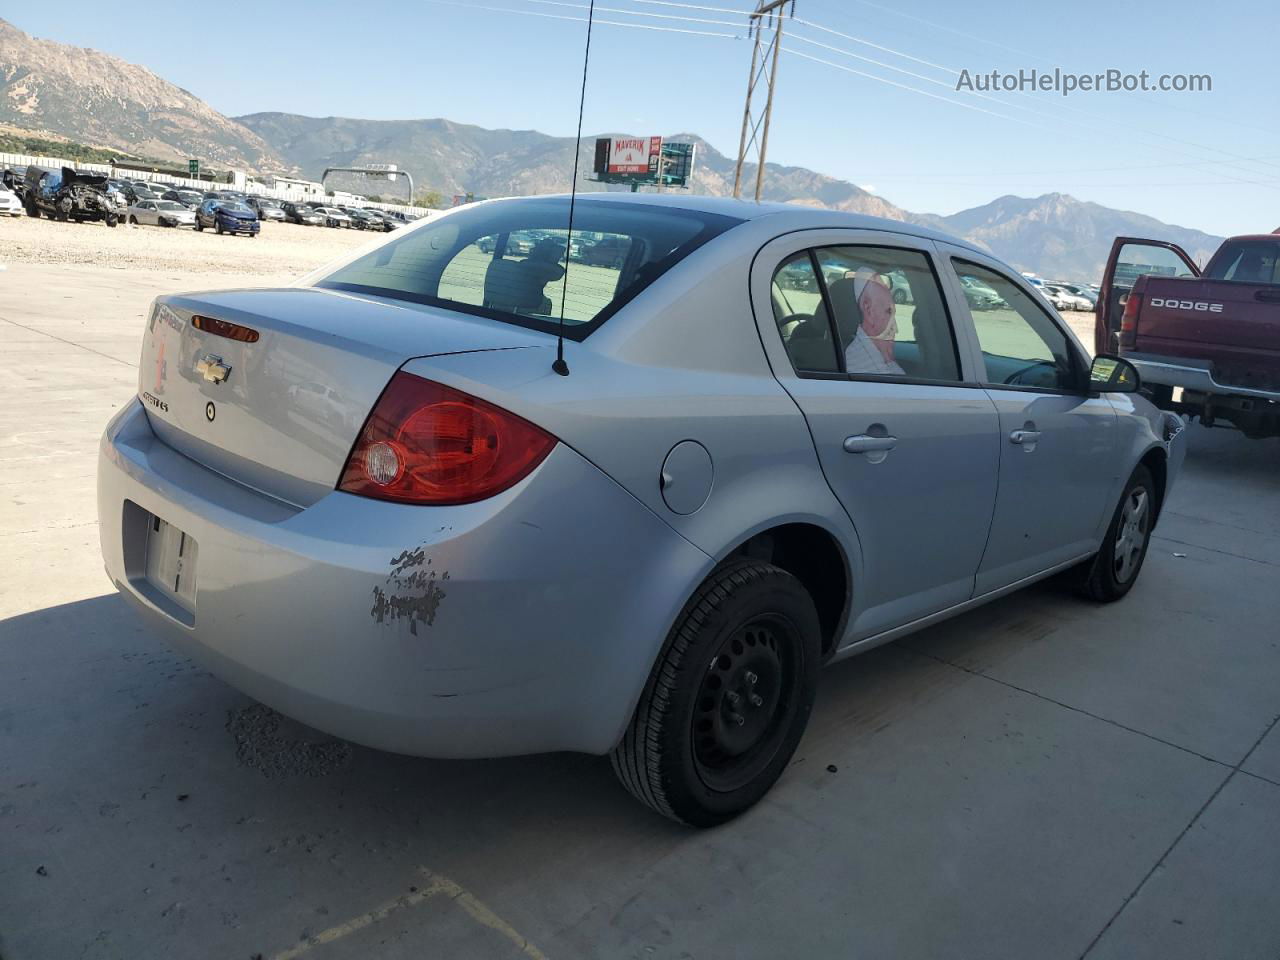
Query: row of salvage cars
pixel 67 194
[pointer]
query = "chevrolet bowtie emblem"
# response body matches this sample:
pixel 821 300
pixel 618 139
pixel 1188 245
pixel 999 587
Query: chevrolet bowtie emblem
pixel 212 368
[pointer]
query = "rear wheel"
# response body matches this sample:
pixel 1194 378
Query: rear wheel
pixel 728 699
pixel 133 221
pixel 1115 568
pixel 217 228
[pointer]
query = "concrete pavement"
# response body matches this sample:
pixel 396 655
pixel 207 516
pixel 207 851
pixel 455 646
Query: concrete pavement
pixel 1040 778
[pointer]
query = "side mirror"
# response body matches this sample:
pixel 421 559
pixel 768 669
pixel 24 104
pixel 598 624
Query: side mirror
pixel 1113 375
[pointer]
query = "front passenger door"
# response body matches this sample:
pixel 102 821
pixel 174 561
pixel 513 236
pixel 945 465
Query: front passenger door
pixel 1057 463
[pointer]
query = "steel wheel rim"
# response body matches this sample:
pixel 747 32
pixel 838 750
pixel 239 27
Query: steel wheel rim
pixel 744 703
pixel 1131 536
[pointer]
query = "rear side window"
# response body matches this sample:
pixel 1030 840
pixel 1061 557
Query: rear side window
pixel 1246 261
pixel 515 261
pixel 866 312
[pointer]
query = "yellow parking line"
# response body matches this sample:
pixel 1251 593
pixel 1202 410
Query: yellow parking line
pixel 435 884
pixel 481 913
pixel 375 915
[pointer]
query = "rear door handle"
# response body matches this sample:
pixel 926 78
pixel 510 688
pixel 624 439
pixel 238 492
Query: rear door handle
pixel 1024 436
pixel 865 443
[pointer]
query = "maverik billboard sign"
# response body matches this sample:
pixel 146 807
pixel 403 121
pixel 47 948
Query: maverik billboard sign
pixel 625 155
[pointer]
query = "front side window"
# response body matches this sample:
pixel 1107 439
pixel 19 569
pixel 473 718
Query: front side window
pixel 514 261
pixel 1021 345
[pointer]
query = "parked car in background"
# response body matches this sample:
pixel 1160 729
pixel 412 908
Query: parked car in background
pixel 607 252
pixel 227 216
pixel 1213 335
pixel 362 219
pixel 300 213
pixel 66 194
pixel 1064 299
pixel 333 217
pixel 162 213
pixel 9 203
pixel 457 553
pixel 188 198
pixel 265 208
pixel 978 295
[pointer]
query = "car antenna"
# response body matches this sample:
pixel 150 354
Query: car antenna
pixel 560 366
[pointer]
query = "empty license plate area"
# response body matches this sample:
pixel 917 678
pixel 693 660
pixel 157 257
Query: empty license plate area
pixel 162 562
pixel 171 561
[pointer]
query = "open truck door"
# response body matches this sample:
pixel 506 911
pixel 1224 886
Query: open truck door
pixel 1132 257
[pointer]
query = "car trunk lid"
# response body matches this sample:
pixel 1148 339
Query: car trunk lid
pixel 280 412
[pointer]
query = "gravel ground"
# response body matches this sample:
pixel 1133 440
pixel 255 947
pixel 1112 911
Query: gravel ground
pixel 281 247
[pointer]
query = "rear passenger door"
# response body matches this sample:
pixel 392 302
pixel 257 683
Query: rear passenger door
pixel 1058 467
pixel 858 332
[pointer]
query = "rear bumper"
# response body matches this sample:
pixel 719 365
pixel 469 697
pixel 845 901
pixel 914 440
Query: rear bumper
pixel 523 624
pixel 1191 375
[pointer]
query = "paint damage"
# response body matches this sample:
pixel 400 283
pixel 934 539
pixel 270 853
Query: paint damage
pixel 413 591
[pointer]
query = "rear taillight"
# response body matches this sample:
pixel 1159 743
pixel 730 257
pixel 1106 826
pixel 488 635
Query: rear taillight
pixel 1129 320
pixel 428 443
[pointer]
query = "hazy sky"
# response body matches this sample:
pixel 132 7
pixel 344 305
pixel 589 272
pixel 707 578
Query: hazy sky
pixel 1206 160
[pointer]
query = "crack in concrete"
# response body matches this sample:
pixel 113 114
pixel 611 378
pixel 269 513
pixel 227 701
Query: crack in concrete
pixel 1178 839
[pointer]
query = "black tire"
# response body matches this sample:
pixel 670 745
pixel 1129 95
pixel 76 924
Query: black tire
pixel 199 227
pixel 1109 575
pixel 746 646
pixel 112 220
pixel 32 210
pixel 899 296
pixel 133 221
pixel 217 228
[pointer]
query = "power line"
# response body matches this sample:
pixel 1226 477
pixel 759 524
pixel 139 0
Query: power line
pixel 1039 59
pixel 637 13
pixel 571 19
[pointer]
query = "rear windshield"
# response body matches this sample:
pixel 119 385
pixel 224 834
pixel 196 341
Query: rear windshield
pixel 514 261
pixel 1246 261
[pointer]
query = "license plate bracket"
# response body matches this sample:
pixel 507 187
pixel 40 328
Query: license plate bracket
pixel 171 562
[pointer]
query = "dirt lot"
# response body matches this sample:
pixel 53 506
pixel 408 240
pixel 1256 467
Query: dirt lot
pixel 1042 778
pixel 281 248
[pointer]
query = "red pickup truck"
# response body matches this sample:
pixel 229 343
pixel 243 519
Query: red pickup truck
pixel 1215 334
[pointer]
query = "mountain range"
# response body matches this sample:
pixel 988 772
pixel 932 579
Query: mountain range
pixel 99 100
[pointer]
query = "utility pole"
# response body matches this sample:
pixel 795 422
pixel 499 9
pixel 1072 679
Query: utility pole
pixel 765 19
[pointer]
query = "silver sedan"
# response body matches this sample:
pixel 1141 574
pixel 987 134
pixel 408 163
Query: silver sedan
pixel 465 494
pixel 162 213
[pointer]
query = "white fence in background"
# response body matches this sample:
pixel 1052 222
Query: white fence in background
pixel 19 162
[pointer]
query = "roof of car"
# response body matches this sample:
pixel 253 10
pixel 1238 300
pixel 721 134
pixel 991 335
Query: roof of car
pixel 806 216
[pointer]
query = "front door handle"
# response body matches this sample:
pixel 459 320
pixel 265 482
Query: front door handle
pixel 1024 436
pixel 865 443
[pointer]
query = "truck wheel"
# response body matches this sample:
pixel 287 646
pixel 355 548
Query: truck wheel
pixel 1115 568
pixel 198 226
pixel 217 228
pixel 133 221
pixel 728 699
pixel 32 210
pixel 112 220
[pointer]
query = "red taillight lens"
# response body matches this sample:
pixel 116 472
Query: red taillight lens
pixel 428 443
pixel 1129 320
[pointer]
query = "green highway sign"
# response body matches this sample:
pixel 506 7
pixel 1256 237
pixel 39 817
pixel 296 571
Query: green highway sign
pixel 193 167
